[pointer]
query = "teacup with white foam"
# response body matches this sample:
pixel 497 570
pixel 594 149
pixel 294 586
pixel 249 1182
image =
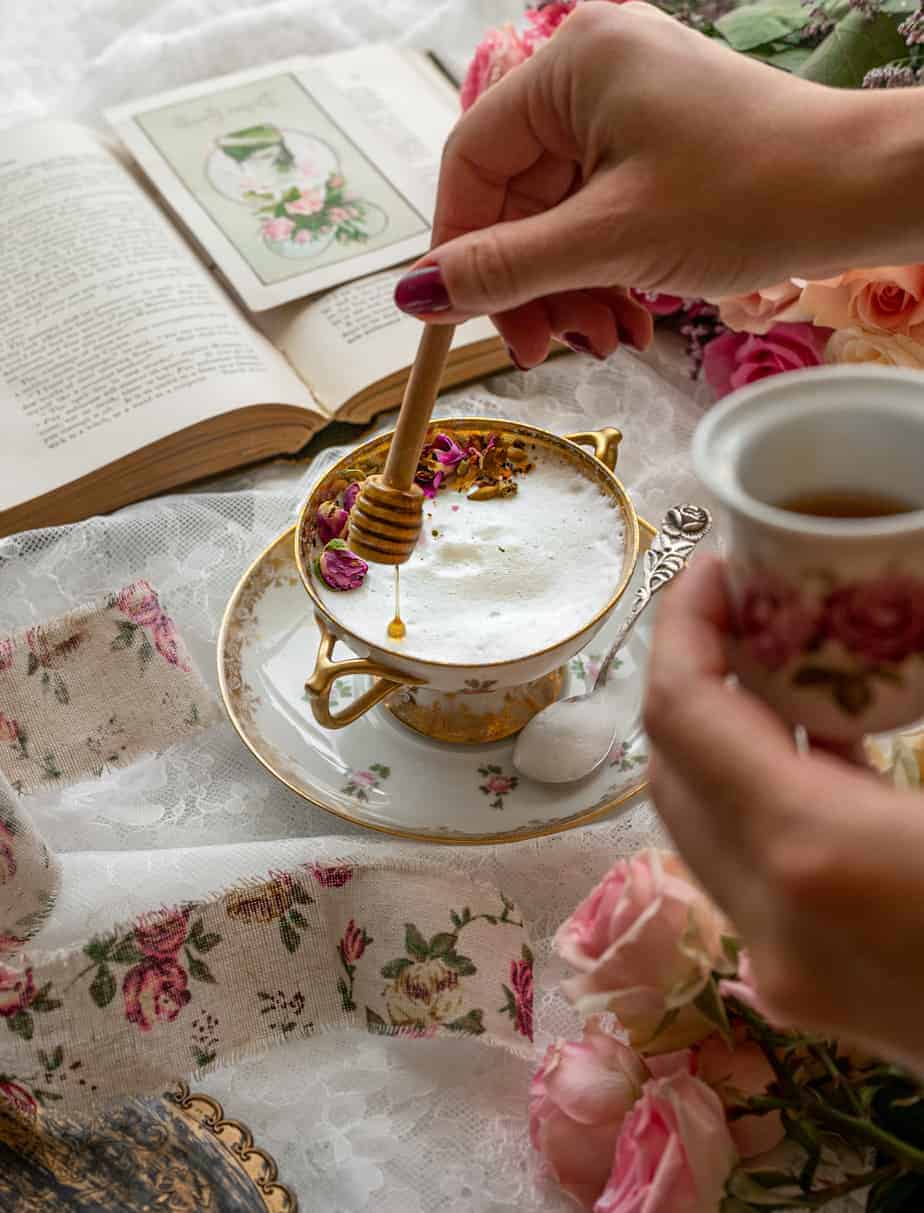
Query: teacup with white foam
pixel 527 546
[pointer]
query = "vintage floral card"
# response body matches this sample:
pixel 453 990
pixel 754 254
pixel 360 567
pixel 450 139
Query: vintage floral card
pixel 303 174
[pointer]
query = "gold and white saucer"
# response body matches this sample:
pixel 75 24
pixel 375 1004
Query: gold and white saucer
pixel 379 773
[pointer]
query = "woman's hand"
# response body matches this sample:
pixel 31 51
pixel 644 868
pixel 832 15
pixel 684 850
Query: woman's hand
pixel 819 864
pixel 633 150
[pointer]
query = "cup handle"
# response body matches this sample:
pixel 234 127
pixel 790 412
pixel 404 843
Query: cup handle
pixel 605 443
pixel 327 671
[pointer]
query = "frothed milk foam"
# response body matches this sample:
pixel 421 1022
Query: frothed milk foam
pixel 502 578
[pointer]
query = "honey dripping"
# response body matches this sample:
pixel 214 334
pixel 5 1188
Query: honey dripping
pixel 396 629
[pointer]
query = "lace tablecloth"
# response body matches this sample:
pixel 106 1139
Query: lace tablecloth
pixel 355 1123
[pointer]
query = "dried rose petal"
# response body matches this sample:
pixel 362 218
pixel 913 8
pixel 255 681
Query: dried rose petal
pixel 349 497
pixel 332 521
pixel 340 568
pixel 447 452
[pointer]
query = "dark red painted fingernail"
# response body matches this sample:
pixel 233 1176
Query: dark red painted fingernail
pixel 422 291
pixel 579 343
pixel 512 355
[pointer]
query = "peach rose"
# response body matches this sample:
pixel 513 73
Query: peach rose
pixel 644 944
pixel 887 299
pixel 735 1075
pixel 578 1100
pixel 894 349
pixel 674 1153
pixel 759 311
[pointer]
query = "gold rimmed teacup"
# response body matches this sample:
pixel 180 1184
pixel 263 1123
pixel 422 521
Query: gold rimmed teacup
pixel 452 701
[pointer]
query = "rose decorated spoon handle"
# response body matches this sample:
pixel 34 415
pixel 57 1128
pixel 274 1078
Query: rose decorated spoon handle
pixel 682 529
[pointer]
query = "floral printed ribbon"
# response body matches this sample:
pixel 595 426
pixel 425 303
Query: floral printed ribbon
pixel 388 947
pixel 94 689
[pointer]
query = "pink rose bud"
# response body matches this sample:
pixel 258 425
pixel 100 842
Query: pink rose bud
pixel 578 1101
pixel 340 568
pixel 448 453
pixel 349 497
pixel 332 521
pixel 644 944
pixel 735 1075
pixel 674 1152
pixel 500 51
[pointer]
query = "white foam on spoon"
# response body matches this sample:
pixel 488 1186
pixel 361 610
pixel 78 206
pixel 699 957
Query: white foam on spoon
pixel 502 578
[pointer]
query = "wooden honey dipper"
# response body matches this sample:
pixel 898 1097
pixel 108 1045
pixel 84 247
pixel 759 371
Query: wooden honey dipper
pixel 387 516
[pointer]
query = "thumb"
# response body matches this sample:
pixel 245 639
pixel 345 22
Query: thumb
pixel 510 263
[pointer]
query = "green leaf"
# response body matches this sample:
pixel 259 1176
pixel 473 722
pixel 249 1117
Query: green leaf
pixel 61 692
pixel 202 940
pixel 53 1062
pixel 33 664
pixel 470 1023
pixel 854 47
pixel 198 969
pixel 42 1002
pixel 103 986
pixel 754 25
pixel 345 1000
pixel 456 920
pixel 125 952
pixel 414 943
pixel 710 1005
pixel 731 947
pixel 299 919
pixel 900 8
pixel 22 1024
pixel 145 652
pixel 741 1185
pixel 527 954
pixel 300 896
pixel 375 1023
pixel 459 964
pixel 395 968
pixel 98 949
pixel 787 58
pixel 441 944
pixel 290 937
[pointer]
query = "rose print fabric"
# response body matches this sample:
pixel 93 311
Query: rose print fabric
pixel 94 689
pixel 385 947
pixel 30 876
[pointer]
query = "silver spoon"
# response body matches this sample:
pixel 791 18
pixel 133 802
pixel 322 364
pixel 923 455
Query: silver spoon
pixel 569 739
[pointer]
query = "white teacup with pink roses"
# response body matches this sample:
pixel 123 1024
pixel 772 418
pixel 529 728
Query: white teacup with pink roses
pixel 829 611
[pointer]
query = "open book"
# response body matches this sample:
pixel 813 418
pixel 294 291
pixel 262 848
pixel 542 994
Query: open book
pixel 149 340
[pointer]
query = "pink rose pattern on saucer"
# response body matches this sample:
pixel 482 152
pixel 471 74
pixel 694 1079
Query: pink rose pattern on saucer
pixel 878 624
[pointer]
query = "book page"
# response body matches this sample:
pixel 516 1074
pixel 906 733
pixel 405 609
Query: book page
pixel 353 336
pixel 302 175
pixel 113 334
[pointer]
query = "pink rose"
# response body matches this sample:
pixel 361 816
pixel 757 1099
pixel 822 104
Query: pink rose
pixel 340 568
pixel 578 1101
pixel 353 943
pixel 545 21
pixel 734 360
pixel 500 51
pixel 759 311
pixel 22 1101
pixel 155 989
pixel 339 214
pixel 6 654
pixel 17 990
pixel 774 621
pixel 366 779
pixel 304 235
pixel 735 1075
pixel 335 181
pixel 658 304
pixel 674 1153
pixel 332 521
pixel 167 643
pixel 350 495
pixel 879 620
pixel 333 878
pixel 887 299
pixel 278 229
pixel 307 204
pixel 162 934
pixel 521 979
pixel 644 944
pixel 499 784
pixel 140 603
pixel 9 729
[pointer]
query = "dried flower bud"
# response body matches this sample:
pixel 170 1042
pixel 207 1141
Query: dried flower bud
pixel 447 452
pixel 349 497
pixel 332 521
pixel 340 568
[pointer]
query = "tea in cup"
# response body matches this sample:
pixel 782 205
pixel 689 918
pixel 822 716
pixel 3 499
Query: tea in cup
pixel 820 474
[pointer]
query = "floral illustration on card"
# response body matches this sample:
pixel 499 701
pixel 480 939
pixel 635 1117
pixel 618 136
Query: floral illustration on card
pixel 518 996
pixel 496 784
pixel 162 953
pixel 839 639
pixel 361 782
pixel 294 183
pixel 21 1000
pixel 426 987
pixel 274 900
